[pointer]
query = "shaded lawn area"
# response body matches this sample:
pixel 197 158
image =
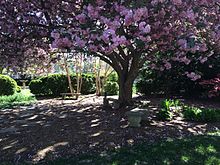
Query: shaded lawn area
pixel 83 133
pixel 193 150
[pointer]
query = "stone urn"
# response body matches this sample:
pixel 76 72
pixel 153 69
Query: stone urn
pixel 134 118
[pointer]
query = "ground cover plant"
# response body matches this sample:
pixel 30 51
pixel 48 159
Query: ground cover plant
pixel 25 97
pixel 168 108
pixel 201 114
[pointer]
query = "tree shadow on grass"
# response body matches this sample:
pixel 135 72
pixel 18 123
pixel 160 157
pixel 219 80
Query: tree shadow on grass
pixel 193 150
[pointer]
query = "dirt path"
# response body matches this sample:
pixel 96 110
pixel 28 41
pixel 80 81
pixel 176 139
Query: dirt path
pixel 54 128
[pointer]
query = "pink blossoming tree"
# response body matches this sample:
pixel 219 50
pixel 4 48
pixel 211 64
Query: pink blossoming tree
pixel 127 34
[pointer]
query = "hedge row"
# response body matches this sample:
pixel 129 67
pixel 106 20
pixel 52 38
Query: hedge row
pixel 55 84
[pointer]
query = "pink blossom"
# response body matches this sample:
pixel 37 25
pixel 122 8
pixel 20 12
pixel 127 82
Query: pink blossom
pixel 61 43
pixel 177 2
pixel 81 18
pixel 54 44
pixel 161 69
pixel 147 29
pixel 185 60
pixel 129 18
pixel 142 25
pixel 139 13
pixel 55 35
pixel 114 25
pixel 203 48
pixel 66 42
pixel 93 48
pixel 193 76
pixel 182 43
pixel 144 28
pixel 190 14
pixel 92 12
pixel 125 12
pixel 213 85
pixel 105 38
pixel 109 32
pixel 100 2
pixel 154 2
pixel 153 66
pixel 203 60
pixel 80 42
pixel 167 65
pixel 119 40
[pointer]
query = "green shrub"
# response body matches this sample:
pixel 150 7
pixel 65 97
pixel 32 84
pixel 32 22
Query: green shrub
pixel 191 113
pixel 45 90
pixel 167 103
pixel 55 84
pixel 174 81
pixel 113 77
pixel 166 113
pixel 18 89
pixel 111 88
pixel 36 87
pixel 22 98
pixel 88 84
pixel 8 86
pixel 202 115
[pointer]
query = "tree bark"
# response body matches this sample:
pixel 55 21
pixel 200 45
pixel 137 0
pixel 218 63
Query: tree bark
pixel 1 70
pixel 125 90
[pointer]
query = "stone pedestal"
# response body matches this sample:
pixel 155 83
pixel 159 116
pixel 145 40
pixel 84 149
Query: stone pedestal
pixel 135 116
pixel 23 83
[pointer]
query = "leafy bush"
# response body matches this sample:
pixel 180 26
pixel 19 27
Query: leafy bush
pixel 174 81
pixel 113 77
pixel 18 89
pixel 55 84
pixel 36 86
pixel 198 114
pixel 88 84
pixel 22 98
pixel 111 88
pixel 8 86
pixel 168 103
pixel 166 112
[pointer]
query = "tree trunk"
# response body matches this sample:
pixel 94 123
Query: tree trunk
pixel 1 70
pixel 125 90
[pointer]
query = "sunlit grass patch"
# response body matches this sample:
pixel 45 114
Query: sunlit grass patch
pixel 25 97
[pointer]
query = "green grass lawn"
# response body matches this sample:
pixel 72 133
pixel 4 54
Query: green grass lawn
pixel 25 97
pixel 194 150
